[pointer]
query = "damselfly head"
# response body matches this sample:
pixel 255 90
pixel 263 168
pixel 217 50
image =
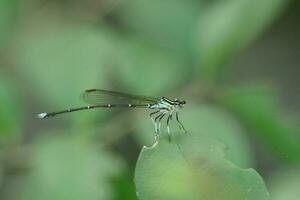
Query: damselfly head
pixel 179 102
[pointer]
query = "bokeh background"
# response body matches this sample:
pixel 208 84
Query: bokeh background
pixel 236 63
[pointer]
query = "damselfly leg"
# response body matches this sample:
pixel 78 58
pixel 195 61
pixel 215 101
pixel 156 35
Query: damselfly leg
pixel 153 120
pixel 159 121
pixel 179 123
pixel 168 126
pixel 157 117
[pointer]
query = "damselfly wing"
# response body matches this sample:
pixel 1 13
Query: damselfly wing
pixel 99 96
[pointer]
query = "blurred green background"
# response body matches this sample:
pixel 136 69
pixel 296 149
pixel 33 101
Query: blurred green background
pixel 235 62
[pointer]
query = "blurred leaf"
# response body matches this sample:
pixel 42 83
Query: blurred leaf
pixel 285 186
pixel 1 174
pixel 124 187
pixel 227 26
pixel 258 108
pixel 165 23
pixel 8 16
pixel 70 168
pixel 206 121
pixel 61 61
pixel 194 168
pixel 148 70
pixel 10 109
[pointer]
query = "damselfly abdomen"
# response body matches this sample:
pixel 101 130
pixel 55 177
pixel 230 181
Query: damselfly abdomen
pixel 98 98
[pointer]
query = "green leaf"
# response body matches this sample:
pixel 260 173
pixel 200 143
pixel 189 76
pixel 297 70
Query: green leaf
pixel 227 26
pixel 11 109
pixel 206 121
pixel 258 109
pixel 70 168
pixel 144 68
pixel 1 174
pixel 193 167
pixel 124 187
pixel 153 21
pixel 9 10
pixel 284 185
pixel 60 61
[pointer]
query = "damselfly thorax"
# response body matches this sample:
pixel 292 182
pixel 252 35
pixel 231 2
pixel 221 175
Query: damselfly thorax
pixel 98 98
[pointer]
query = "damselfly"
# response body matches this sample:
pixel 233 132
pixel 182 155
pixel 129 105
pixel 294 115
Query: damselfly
pixel 98 98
